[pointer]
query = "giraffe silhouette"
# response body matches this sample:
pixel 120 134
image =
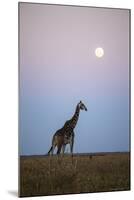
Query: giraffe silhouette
pixel 66 134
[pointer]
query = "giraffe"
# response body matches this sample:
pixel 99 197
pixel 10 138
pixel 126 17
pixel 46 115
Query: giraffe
pixel 66 134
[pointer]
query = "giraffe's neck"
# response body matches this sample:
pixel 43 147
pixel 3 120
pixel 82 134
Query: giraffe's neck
pixel 75 117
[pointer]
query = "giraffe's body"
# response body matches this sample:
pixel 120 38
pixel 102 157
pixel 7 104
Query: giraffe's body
pixel 65 135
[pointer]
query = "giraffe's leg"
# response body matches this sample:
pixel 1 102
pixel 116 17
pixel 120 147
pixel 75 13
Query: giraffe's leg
pixel 60 142
pixel 52 151
pixel 59 149
pixel 72 143
pixel 63 148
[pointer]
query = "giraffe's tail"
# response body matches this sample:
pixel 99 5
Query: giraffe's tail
pixel 50 150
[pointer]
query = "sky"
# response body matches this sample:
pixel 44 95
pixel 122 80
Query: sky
pixel 58 68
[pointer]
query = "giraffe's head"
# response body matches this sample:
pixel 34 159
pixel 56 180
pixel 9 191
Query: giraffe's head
pixel 82 106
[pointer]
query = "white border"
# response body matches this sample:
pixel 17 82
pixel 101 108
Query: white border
pixel 9 98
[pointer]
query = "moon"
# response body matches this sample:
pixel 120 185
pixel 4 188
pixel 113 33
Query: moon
pixel 99 52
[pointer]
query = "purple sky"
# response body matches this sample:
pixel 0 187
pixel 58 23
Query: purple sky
pixel 58 68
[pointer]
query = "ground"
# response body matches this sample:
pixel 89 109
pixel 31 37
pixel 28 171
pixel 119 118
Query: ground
pixel 82 173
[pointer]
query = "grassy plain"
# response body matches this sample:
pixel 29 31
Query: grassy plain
pixel 51 175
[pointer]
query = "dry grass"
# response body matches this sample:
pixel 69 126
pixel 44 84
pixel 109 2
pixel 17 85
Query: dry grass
pixel 64 175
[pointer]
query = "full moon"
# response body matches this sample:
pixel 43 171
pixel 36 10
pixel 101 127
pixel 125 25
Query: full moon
pixel 99 52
